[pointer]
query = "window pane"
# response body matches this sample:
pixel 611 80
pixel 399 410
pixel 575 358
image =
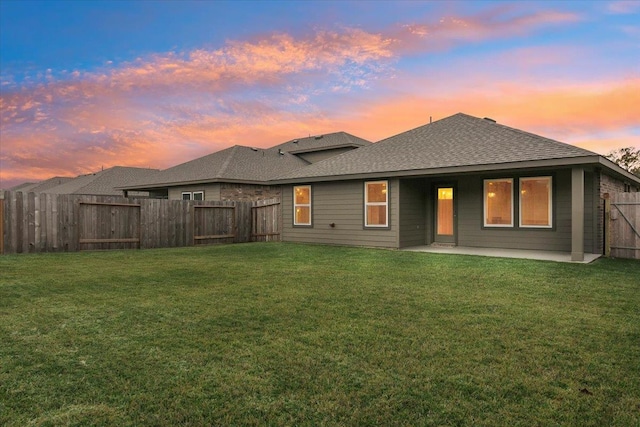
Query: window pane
pixel 377 192
pixel 535 201
pixel 377 215
pixel 303 195
pixel 186 196
pixel 303 215
pixel 198 196
pixel 498 202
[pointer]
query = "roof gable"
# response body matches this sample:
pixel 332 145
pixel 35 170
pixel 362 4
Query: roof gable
pixel 321 142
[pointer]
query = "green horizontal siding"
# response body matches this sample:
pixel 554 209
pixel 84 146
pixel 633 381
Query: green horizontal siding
pixel 341 203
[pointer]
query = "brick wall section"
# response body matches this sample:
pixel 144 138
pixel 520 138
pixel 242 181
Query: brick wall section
pixel 248 192
pixel 607 185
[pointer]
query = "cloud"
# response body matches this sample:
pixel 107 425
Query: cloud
pixel 497 22
pixel 624 7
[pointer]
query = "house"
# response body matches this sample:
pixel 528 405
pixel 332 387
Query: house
pixel 461 181
pixel 42 186
pixel 243 173
pixel 101 183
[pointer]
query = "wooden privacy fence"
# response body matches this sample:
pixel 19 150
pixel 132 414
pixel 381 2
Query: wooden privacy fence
pixel 622 225
pixel 266 221
pixel 66 223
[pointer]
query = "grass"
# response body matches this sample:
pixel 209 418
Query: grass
pixel 285 334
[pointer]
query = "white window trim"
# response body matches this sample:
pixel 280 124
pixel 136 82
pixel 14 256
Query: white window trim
pixel 484 203
pixel 188 193
pixel 193 195
pixel 367 204
pixel 308 205
pixel 529 178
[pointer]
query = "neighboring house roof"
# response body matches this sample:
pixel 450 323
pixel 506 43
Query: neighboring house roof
pixel 234 164
pixel 103 182
pixel 321 142
pixel 42 186
pixel 50 183
pixel 459 143
pixel 24 187
pixel 248 165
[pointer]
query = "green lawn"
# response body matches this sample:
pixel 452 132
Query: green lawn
pixel 285 334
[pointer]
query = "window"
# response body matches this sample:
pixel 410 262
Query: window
pixel 302 205
pixel 196 195
pixel 535 202
pixel 498 202
pixel 376 204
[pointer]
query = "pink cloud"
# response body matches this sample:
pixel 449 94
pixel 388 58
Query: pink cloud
pixel 624 7
pixel 497 22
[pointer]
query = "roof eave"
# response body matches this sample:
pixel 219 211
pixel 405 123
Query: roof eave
pixel 331 147
pixel 565 161
pixel 617 170
pixel 147 187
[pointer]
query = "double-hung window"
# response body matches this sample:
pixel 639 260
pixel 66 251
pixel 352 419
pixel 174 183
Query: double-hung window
pixel 535 202
pixel 376 204
pixel 302 205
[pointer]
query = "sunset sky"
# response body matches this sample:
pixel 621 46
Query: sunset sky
pixel 86 85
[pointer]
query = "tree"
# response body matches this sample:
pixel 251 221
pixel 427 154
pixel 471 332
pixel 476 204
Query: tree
pixel 627 158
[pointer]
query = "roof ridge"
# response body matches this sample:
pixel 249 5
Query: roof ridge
pixel 227 161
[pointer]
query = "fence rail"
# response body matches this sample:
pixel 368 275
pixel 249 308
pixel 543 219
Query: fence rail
pixel 31 222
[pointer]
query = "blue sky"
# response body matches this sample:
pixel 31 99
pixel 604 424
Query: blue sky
pixel 85 85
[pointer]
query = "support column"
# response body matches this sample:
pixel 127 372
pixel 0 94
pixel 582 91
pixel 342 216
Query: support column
pixel 577 214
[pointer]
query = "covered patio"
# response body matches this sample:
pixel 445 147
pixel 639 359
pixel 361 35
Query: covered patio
pixel 504 253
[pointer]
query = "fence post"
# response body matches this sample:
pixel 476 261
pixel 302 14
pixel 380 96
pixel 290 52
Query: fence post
pixel 2 223
pixel 607 225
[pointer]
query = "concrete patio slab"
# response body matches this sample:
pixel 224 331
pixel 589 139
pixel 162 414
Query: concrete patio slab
pixel 504 253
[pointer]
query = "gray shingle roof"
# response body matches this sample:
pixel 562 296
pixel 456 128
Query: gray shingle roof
pixel 104 182
pixel 455 141
pixel 237 163
pixel 321 142
pixel 43 186
pixel 246 164
pixel 24 187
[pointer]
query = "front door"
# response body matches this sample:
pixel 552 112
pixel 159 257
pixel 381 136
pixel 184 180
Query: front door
pixel 445 214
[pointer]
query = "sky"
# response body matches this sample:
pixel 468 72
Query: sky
pixel 95 84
